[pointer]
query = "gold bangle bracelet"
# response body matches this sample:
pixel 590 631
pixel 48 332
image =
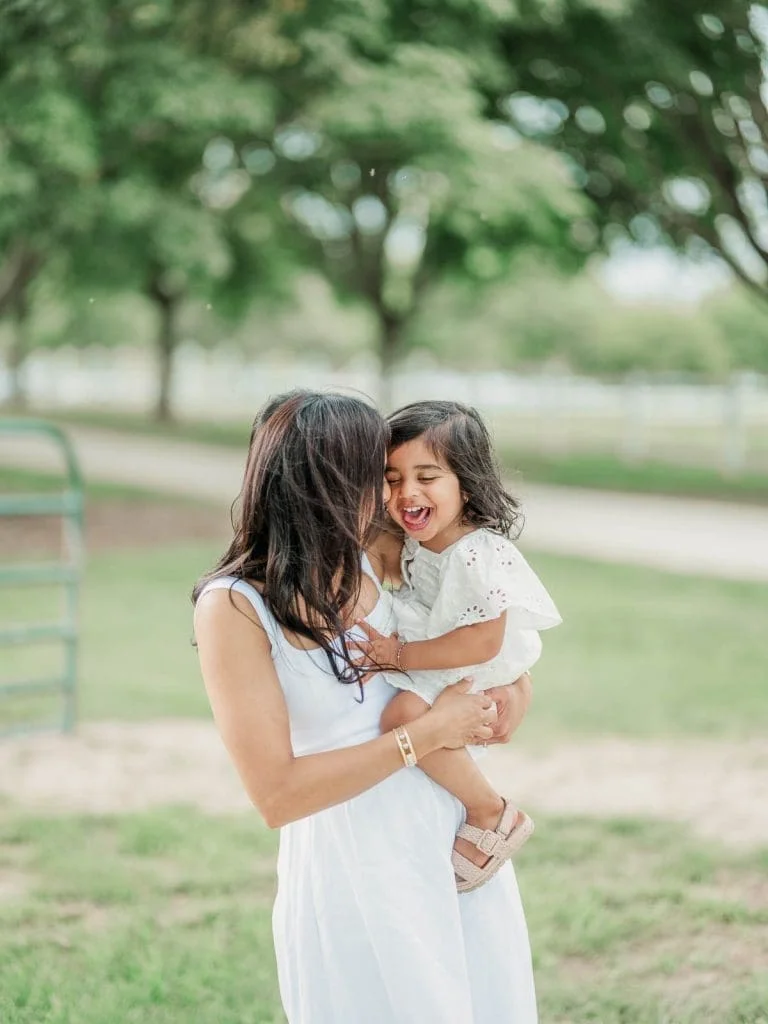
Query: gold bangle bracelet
pixel 407 751
pixel 398 654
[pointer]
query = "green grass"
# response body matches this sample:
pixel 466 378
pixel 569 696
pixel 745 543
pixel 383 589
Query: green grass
pixel 15 480
pixel 164 918
pixel 144 918
pixel 137 611
pixel 600 471
pixel 591 464
pixel 640 653
pixel 650 654
pixel 137 660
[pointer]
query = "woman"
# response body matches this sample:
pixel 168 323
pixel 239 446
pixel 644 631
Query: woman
pixel 368 926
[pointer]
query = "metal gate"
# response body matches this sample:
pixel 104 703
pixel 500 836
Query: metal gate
pixel 67 505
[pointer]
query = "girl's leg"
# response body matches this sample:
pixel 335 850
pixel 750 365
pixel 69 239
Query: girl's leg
pixel 454 770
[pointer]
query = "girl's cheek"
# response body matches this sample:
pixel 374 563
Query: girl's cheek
pixel 386 492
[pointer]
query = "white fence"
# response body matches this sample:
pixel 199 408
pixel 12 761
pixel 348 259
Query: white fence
pixel 676 420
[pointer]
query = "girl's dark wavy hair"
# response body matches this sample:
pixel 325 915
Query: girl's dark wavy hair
pixel 456 433
pixel 312 482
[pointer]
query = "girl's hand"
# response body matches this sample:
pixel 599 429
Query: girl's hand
pixel 463 717
pixel 378 651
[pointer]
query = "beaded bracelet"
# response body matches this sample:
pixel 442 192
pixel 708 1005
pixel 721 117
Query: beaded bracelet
pixel 406 746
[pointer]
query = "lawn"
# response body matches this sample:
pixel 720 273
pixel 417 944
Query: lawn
pixel 163 917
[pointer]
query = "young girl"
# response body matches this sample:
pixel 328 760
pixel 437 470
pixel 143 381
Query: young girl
pixel 471 606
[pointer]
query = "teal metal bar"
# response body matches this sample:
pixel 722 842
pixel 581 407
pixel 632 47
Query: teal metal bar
pixel 64 504
pixel 38 575
pixel 68 505
pixel 16 636
pixel 22 687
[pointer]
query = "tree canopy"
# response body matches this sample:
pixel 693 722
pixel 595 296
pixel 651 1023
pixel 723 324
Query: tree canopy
pixel 390 170
pixel 402 152
pixel 659 110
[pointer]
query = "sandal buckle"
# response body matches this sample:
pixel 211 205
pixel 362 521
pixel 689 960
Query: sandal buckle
pixel 488 842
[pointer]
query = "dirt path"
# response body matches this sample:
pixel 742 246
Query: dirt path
pixel 113 523
pixel 121 767
pixel 682 535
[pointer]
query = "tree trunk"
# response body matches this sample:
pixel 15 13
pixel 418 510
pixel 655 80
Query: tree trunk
pixel 16 275
pixel 166 340
pixel 19 305
pixel 17 271
pixel 166 344
pixel 390 331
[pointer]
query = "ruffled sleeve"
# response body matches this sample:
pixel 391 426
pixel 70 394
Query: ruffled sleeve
pixel 484 575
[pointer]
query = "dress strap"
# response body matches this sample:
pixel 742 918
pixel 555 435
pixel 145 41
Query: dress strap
pixel 370 571
pixel 251 594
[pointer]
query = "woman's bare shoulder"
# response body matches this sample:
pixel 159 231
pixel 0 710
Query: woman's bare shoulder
pixel 223 609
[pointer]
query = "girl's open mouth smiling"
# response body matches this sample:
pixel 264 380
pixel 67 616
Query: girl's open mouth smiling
pixel 416 517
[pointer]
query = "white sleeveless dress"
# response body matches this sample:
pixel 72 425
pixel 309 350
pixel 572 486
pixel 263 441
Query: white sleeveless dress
pixel 368 926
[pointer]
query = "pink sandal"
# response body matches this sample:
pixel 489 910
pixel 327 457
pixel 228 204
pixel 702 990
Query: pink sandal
pixel 513 830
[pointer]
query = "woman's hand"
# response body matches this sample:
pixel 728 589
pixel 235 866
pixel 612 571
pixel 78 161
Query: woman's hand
pixel 378 652
pixel 512 702
pixel 461 717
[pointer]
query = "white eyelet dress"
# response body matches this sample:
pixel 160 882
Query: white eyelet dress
pixel 368 926
pixel 476 579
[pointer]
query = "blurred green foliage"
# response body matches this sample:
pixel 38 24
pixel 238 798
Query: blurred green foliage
pixel 572 323
pixel 659 111
pixel 444 174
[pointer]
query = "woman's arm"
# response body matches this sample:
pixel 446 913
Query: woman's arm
pixel 250 713
pixel 512 703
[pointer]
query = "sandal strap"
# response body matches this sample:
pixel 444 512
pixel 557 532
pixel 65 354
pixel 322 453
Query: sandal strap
pixel 465 870
pixel 488 840
pixel 484 839
pixel 471 876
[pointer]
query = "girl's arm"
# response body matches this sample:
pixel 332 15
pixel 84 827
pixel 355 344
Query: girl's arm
pixel 467 645
pixel 251 715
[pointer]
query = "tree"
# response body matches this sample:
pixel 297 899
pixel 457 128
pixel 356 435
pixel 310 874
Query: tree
pixel 569 323
pixel 168 120
pixel 120 159
pixel 740 318
pixel 658 109
pixel 391 174
pixel 48 154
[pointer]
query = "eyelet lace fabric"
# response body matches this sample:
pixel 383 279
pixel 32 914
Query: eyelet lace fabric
pixel 477 579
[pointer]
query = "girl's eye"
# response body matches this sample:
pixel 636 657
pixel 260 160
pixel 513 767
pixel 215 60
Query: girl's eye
pixel 427 479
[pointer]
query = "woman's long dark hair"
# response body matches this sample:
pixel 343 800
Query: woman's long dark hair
pixel 312 486
pixel 456 433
